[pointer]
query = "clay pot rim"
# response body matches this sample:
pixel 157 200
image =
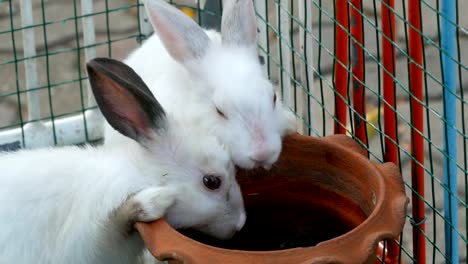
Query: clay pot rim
pixel 385 221
pixel 376 173
pixel 163 223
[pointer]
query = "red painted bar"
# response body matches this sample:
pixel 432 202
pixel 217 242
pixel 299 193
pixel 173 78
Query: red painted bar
pixel 417 140
pixel 388 60
pixel 390 123
pixel 341 63
pixel 357 64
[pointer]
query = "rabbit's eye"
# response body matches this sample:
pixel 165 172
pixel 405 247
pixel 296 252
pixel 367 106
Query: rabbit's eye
pixel 274 100
pixel 211 182
pixel 220 113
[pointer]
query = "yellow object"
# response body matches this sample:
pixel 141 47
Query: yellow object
pixel 372 117
pixel 188 11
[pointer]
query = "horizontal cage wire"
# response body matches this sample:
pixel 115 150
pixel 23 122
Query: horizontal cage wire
pixel 391 74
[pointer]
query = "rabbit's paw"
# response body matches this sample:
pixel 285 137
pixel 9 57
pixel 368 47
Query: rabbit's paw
pixel 153 202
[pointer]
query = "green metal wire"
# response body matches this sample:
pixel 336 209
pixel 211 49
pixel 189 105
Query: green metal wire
pixel 57 116
pixel 15 56
pixel 356 116
pixel 324 123
pixel 399 50
pixel 68 19
pixel 78 64
pixel 439 27
pixel 413 190
pixel 308 64
pixel 43 87
pixel 293 58
pixel 295 53
pixel 49 93
pixel 429 146
pixel 268 40
pixel 405 121
pixel 406 90
pixel 351 111
pixel 198 13
pixel 379 80
pixel 140 37
pixel 59 51
pixel 426 38
pixel 109 43
pixel 462 105
pixel 279 35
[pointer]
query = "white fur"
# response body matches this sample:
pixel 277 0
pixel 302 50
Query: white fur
pixel 67 205
pixel 190 83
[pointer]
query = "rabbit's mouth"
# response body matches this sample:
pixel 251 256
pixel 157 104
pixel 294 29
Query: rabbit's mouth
pixel 254 166
pixel 251 163
pixel 265 166
pixel 207 233
pixel 262 164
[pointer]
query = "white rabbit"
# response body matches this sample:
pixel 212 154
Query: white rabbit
pixel 78 205
pixel 213 81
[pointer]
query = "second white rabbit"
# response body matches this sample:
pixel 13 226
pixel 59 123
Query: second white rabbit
pixel 213 81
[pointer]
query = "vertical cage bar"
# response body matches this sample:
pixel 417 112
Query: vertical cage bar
pixel 29 45
pixel 379 79
pixel 47 68
pixel 18 96
pixel 284 24
pixel 78 65
pixel 340 65
pixel 260 8
pixel 144 23
pixel 450 134
pixel 108 33
pixel 463 115
pixel 320 30
pixel 388 61
pixel 417 128
pixel 390 121
pixel 357 65
pixel 89 39
pixel 307 70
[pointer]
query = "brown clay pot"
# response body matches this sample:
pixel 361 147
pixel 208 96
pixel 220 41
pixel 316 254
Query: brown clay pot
pixel 322 202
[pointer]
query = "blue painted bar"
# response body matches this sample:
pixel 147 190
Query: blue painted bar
pixel 450 134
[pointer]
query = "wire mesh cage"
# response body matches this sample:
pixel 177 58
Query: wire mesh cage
pixel 388 73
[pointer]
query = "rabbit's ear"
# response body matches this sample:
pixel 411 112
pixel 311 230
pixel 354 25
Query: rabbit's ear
pixel 239 25
pixel 125 100
pixel 181 36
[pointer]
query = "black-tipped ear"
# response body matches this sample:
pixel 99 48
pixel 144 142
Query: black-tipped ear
pixel 125 100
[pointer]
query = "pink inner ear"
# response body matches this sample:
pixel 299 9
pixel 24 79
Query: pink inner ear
pixel 173 43
pixel 126 106
pixel 250 23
